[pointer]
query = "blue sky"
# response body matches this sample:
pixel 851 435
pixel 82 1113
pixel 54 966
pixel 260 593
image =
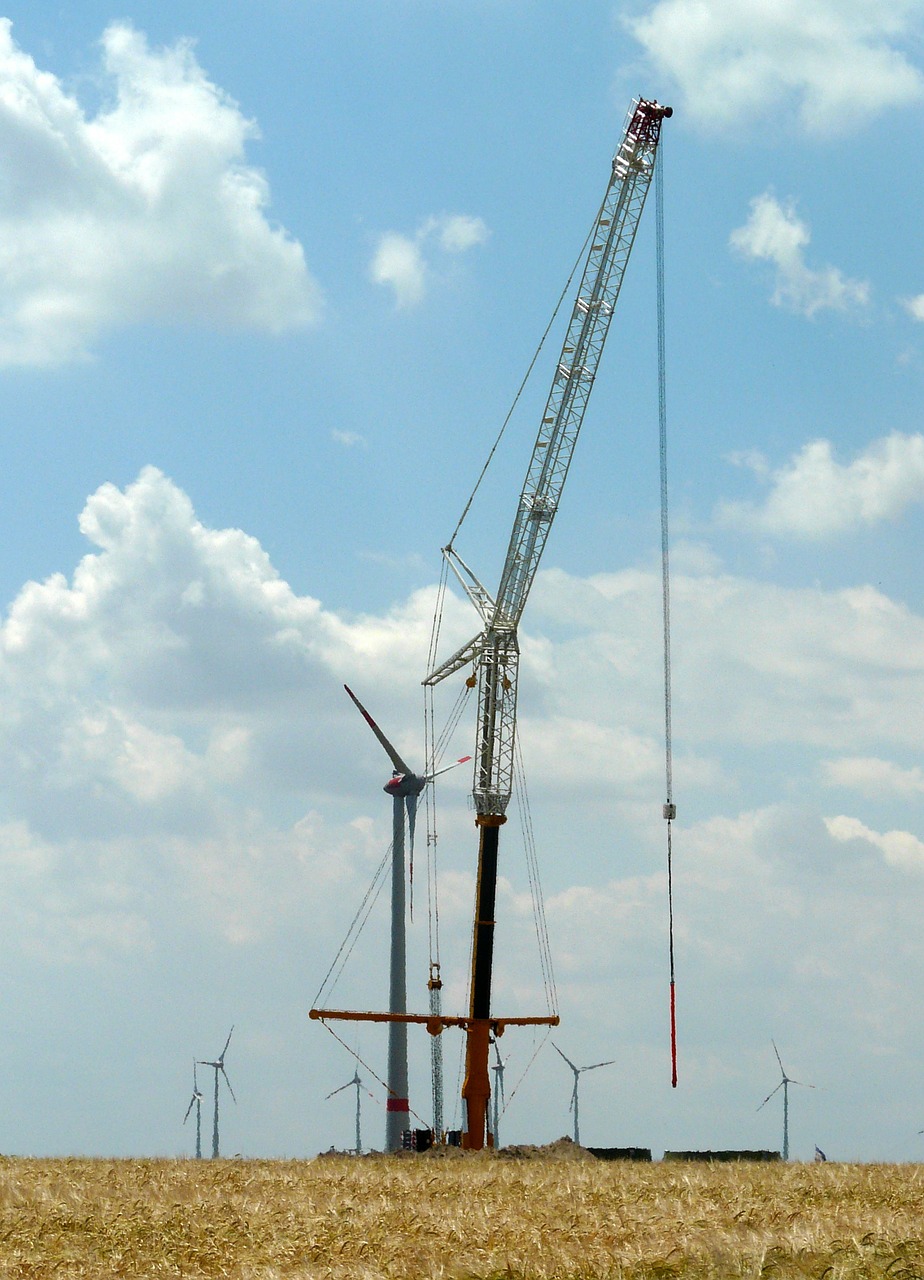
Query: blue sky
pixel 271 278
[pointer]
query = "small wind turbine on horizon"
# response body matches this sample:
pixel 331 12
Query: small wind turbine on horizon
pixel 498 1095
pixel 196 1101
pixel 357 1084
pixel 784 1085
pixel 578 1071
pixel 404 787
pixel 218 1066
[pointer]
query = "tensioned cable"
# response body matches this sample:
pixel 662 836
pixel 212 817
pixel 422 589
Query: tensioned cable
pixel 526 1069
pixel 356 927
pixel 526 376
pixel 535 884
pixel 391 1093
pixel 669 806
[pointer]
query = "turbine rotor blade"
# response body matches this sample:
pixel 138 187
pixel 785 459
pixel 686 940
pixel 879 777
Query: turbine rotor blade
pixel 349 1085
pixel 396 760
pixel 221 1056
pixel 410 803
pixel 779 1059
pixel 445 769
pixel 561 1055
pixel 770 1095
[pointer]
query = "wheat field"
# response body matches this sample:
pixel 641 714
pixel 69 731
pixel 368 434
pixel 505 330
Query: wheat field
pixel 483 1216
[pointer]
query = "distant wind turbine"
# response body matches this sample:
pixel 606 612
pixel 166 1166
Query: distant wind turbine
pixel 218 1066
pixel 784 1084
pixel 196 1101
pixel 498 1096
pixel 578 1071
pixel 356 1084
pixel 404 787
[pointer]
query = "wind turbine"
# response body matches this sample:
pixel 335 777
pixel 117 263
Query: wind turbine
pixel 784 1085
pixel 499 1099
pixel 196 1101
pixel 404 787
pixel 357 1084
pixel 218 1066
pixel 578 1071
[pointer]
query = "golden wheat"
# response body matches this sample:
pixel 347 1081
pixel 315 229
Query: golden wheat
pixel 476 1216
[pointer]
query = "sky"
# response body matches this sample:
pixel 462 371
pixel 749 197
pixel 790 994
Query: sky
pixel 270 279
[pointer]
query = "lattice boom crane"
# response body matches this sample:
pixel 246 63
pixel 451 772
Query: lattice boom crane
pixel 494 651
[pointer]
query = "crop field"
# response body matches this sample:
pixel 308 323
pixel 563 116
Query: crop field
pixel 485 1216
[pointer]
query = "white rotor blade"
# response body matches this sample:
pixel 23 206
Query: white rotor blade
pixel 561 1055
pixel 221 1056
pixel 228 1083
pixel 393 756
pixel 410 803
pixel 770 1095
pixel 446 767
pixel 349 1085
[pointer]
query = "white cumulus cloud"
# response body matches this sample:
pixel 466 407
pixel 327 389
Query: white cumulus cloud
pixel 836 64
pixel 873 777
pixel 145 211
pixel 815 496
pixel 406 263
pixel 900 849
pixel 774 233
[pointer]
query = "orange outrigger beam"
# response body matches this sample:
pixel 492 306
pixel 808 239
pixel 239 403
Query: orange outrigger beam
pixel 477 1087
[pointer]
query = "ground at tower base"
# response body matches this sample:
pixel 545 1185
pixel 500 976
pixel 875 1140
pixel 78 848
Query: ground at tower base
pixel 550 1212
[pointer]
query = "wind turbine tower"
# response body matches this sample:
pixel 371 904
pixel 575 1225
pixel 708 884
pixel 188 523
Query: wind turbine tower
pixel 578 1072
pixel 196 1101
pixel 784 1084
pixel 218 1066
pixel 404 787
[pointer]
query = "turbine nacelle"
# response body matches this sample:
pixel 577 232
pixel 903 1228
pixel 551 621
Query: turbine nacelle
pixel 405 785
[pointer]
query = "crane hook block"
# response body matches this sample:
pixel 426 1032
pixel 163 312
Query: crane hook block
pixel 669 811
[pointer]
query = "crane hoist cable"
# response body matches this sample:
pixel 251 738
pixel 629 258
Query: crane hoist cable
pixel 670 809
pixel 516 399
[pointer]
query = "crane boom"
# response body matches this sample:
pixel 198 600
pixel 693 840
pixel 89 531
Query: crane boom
pixel 495 650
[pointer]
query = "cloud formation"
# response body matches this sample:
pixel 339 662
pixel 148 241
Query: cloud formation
pixel 773 233
pixel 178 762
pixel 145 211
pixel 870 776
pixel 835 64
pixel 815 496
pixel 405 263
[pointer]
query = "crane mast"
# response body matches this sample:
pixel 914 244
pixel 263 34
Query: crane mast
pixel 494 652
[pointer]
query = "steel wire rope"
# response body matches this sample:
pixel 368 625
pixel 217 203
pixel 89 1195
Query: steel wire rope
pixel 526 1070
pixel 364 910
pixel 669 807
pixel 355 1054
pixel 535 882
pixel 516 399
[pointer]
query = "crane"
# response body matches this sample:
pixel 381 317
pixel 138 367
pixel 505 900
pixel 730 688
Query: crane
pixel 494 652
